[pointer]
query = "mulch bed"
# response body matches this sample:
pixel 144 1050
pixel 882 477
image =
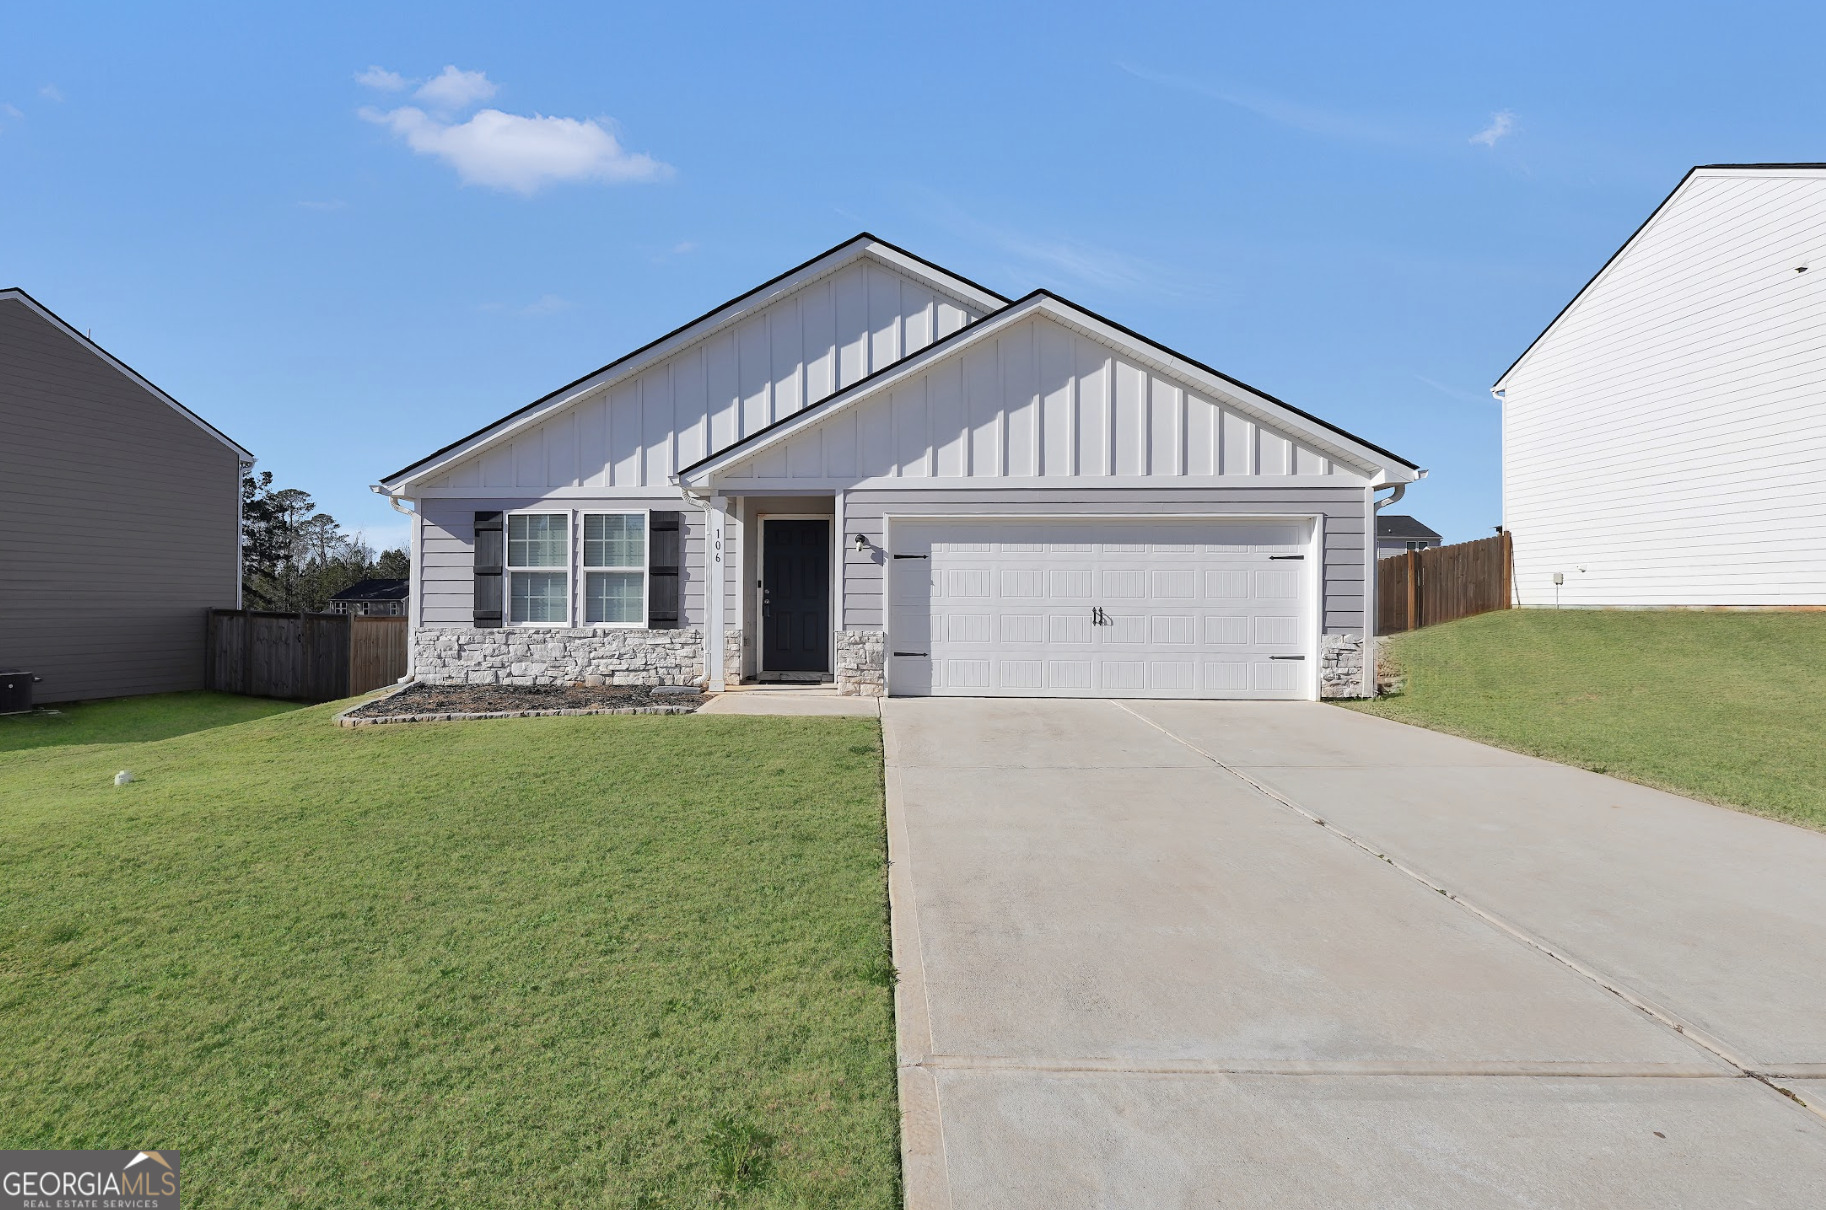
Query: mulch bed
pixel 418 703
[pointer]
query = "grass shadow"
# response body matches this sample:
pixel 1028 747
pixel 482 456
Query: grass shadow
pixel 132 720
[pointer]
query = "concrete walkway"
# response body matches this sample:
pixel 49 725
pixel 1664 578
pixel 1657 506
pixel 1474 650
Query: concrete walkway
pixel 802 700
pixel 1138 970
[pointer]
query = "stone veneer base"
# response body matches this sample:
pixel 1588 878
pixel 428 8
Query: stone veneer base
pixel 470 655
pixel 862 663
pixel 1341 666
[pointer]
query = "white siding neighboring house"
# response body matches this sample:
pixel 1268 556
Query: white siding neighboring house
pixel 1664 440
pixel 875 472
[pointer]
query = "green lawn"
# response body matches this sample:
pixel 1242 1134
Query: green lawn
pixel 612 961
pixel 1729 707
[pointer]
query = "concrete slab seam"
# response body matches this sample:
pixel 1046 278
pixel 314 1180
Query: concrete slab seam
pixel 925 1170
pixel 1493 1069
pixel 1663 1016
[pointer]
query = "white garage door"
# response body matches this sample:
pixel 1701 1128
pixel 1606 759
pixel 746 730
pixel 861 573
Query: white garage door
pixel 1101 609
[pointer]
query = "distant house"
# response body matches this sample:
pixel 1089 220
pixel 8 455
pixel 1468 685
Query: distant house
pixel 373 599
pixel 1398 535
pixel 120 517
pixel 1664 440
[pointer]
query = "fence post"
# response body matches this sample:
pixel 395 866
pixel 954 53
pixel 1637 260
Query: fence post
pixel 1413 557
pixel 247 652
pixel 1508 570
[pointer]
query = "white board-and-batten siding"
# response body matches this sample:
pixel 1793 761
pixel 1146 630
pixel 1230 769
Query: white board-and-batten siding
pixel 1341 514
pixel 1040 401
pixel 1664 443
pixel 633 433
pixel 445 560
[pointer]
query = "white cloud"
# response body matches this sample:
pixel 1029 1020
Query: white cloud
pixel 548 304
pixel 381 78
pixel 453 89
pixel 329 205
pixel 11 111
pixel 521 154
pixel 683 246
pixel 1500 124
pixel 51 92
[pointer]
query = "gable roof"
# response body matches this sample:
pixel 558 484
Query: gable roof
pixel 1321 432
pixel 15 294
pixel 1696 170
pixel 629 364
pixel 1403 527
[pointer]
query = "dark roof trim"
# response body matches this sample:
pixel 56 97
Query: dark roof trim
pixel 745 296
pixel 1632 239
pixel 1401 526
pixel 378 589
pixel 74 333
pixel 974 329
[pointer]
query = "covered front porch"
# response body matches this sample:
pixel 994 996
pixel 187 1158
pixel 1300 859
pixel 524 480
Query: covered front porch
pixel 773 566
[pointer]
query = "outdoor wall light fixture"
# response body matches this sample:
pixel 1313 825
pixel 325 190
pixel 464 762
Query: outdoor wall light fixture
pixel 862 545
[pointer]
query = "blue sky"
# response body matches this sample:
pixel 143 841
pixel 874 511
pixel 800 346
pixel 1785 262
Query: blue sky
pixel 1366 210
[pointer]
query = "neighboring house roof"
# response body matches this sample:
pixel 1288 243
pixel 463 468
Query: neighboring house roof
pixel 1696 171
pixel 1404 529
pixel 375 590
pixel 1310 427
pixel 20 296
pixel 631 364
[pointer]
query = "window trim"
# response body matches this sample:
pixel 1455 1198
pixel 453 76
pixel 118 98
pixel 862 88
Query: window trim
pixel 645 568
pixel 567 568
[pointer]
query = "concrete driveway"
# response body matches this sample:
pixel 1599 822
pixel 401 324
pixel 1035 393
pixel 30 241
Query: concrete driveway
pixel 1163 954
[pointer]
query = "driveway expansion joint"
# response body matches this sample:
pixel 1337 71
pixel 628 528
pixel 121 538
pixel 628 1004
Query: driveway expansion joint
pixel 1662 1016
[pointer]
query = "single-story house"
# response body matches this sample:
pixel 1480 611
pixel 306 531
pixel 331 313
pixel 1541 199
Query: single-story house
pixel 120 517
pixel 873 471
pixel 1664 439
pixel 373 598
pixel 1396 535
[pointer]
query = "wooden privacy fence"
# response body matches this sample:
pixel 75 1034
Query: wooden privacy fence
pixel 312 657
pixel 1427 587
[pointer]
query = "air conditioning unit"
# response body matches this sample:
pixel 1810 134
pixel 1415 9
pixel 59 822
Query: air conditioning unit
pixel 16 691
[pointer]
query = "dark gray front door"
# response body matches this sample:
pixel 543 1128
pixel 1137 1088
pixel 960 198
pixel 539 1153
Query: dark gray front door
pixel 796 596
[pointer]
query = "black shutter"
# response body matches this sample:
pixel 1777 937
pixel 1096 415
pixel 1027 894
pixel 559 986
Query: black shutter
pixel 663 549
pixel 491 555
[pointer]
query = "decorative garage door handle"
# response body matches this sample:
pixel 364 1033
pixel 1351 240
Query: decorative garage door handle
pixel 1286 657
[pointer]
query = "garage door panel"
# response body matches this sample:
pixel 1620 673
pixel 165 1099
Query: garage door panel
pixel 1102 608
pixel 964 583
pixel 1122 676
pixel 1124 585
pixel 1278 675
pixel 1277 585
pixel 1019 628
pixel 961 627
pixel 1024 583
pixel 1022 674
pixel 1277 632
pixel 1226 631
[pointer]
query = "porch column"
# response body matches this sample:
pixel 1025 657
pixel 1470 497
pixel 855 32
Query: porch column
pixel 716 515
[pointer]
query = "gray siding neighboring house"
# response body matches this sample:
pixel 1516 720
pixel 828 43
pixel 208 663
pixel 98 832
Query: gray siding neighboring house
pixel 119 517
pixel 884 475
pixel 1397 534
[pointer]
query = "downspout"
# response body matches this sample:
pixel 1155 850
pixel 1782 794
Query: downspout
pixel 416 609
pixel 1401 489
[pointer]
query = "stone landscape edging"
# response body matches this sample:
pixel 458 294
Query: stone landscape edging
pixel 346 718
